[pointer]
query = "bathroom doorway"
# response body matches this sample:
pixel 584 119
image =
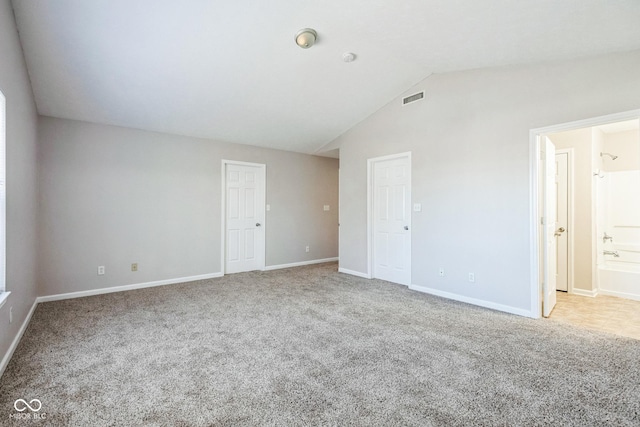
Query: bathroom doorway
pixel 597 223
pixel 598 214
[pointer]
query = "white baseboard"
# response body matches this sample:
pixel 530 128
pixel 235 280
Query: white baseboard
pixel 584 292
pixel 618 294
pixel 16 340
pixel 474 301
pixel 101 291
pixel 300 264
pixel 353 273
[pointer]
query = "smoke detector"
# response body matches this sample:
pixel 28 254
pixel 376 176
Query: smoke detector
pixel 348 57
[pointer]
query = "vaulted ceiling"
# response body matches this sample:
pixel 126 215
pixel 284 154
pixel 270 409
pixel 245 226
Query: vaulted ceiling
pixel 230 70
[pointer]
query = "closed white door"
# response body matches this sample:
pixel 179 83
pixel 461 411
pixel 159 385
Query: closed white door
pixel 392 220
pixel 244 203
pixel 549 227
pixel 562 217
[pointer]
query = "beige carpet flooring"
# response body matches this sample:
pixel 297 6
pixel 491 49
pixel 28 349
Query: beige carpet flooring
pixel 310 346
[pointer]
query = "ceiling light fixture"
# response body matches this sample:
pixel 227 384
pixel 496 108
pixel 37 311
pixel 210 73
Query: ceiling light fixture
pixel 306 38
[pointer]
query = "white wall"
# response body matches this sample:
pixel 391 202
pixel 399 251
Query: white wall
pixel 113 196
pixel 470 145
pixel 21 180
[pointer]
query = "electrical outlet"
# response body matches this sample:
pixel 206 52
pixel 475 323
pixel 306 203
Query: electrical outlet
pixel 326 207
pixel 306 249
pixel 441 272
pixel 472 277
pixel 134 266
pixel 10 314
pixel 101 270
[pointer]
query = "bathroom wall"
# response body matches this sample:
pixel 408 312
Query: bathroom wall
pixel 625 145
pixel 582 143
pixel 599 200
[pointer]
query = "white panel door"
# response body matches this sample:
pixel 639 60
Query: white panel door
pixel 549 227
pixel 391 220
pixel 244 245
pixel 562 217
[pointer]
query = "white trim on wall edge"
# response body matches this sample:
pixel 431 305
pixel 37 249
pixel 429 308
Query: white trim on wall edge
pixel 14 344
pixel 585 293
pixel 101 291
pixel 300 264
pixel 624 295
pixel 474 301
pixel 353 273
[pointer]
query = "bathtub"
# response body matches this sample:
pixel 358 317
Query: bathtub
pixel 619 280
pixel 618 215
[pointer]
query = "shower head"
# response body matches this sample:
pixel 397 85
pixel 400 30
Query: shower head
pixel 609 154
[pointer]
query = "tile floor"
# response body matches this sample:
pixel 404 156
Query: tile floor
pixel 603 313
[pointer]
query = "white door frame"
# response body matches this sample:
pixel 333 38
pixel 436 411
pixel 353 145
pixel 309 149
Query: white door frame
pixel 534 217
pixel 370 185
pixel 223 216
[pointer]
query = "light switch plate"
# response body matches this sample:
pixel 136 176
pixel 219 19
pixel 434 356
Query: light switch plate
pixel 326 207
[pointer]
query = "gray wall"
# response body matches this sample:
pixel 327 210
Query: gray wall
pixel 471 161
pixel 112 196
pixel 21 180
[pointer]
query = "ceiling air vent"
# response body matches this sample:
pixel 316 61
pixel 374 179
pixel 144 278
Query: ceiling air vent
pixel 413 98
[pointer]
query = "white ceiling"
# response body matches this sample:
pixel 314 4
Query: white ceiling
pixel 230 71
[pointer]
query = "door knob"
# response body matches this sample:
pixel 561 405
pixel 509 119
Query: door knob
pixel 559 231
pixel 258 224
pixel 406 227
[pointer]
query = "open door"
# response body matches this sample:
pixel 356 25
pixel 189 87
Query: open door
pixel 549 226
